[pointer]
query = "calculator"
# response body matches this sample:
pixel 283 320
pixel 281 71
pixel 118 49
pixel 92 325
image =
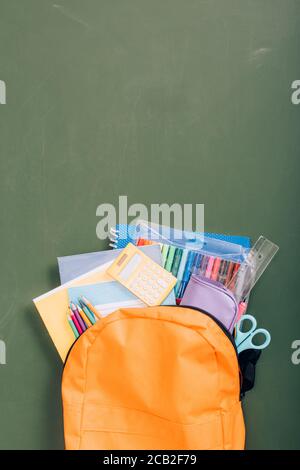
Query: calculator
pixel 143 277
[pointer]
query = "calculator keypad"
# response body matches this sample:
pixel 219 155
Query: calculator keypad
pixel 150 283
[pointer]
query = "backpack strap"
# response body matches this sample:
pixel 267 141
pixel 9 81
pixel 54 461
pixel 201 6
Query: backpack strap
pixel 247 361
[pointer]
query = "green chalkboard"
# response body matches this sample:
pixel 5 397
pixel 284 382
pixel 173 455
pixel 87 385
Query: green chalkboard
pixel 163 101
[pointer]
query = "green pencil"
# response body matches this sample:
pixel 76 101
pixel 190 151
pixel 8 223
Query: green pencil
pixel 76 334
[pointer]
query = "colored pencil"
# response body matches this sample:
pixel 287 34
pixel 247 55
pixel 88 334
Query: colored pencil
pixel 84 316
pixel 88 313
pixel 73 327
pixel 77 315
pixel 91 307
pixel 78 327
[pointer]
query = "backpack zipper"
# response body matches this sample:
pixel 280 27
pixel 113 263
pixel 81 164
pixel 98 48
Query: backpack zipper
pixel 226 332
pixel 220 324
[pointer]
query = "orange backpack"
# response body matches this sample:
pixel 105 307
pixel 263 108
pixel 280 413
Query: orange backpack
pixel 153 378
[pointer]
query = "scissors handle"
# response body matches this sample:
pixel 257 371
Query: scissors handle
pixel 241 336
pixel 248 343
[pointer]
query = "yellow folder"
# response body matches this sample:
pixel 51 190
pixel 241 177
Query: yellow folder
pixel 53 306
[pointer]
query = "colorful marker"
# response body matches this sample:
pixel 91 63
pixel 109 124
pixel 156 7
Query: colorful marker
pixel 170 258
pixel 223 271
pixel 209 267
pixel 232 281
pixel 186 274
pixel 202 269
pixel 197 262
pixel 215 270
pixel 176 262
pixel 229 272
pixel 181 270
pixel 164 253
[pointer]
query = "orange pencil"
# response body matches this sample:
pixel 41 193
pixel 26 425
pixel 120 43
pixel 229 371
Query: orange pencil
pixel 84 316
pixel 91 307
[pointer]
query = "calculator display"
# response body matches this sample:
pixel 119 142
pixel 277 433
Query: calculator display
pixel 130 267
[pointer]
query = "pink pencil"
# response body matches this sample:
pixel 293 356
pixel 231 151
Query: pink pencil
pixel 75 321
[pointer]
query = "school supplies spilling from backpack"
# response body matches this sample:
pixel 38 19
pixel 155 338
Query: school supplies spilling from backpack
pixel 157 376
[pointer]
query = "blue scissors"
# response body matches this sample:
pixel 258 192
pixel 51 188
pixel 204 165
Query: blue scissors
pixel 244 339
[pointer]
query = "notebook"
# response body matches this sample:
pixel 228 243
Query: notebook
pixel 109 296
pixel 73 266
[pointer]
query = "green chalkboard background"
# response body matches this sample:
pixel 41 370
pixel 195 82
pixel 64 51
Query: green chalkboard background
pixel 164 101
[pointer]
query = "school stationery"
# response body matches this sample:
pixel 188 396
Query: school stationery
pixel 213 298
pixel 106 297
pixel 176 261
pixel 214 259
pixel 181 269
pixel 144 278
pixel 186 273
pixel 88 313
pixel 86 318
pixel 170 258
pixel 77 325
pixel 244 339
pixel 90 306
pixel 73 326
pixel 191 240
pixel 53 305
pixel 123 234
pixel 73 266
pixel 78 317
pixel 251 269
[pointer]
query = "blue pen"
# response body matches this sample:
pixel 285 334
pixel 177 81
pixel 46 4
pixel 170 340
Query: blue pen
pixel 180 271
pixel 197 262
pixel 187 273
